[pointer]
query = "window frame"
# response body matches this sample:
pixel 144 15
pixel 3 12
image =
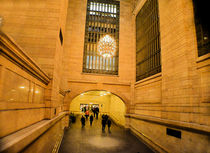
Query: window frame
pixel 96 30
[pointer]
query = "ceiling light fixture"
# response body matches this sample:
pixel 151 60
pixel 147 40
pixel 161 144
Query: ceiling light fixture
pixel 107 46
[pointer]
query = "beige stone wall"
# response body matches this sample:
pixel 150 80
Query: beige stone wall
pixel 48 142
pixel 180 93
pixel 20 102
pixel 79 82
pixel 189 143
pixel 35 26
pixel 43 136
pixel 117 110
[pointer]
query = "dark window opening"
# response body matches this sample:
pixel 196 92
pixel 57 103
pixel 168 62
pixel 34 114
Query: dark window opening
pixel 61 37
pixel 148 51
pixel 202 24
pixel 174 133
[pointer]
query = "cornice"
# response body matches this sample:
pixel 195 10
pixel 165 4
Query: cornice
pixel 10 50
pixel 197 128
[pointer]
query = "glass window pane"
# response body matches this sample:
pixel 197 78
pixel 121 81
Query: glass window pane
pixel 100 25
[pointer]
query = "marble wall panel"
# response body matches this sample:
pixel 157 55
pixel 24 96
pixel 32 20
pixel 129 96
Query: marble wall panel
pixel 15 87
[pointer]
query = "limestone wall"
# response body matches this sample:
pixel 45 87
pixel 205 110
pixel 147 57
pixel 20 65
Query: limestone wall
pixel 22 89
pixel 117 110
pixel 35 26
pixel 43 136
pixel 178 97
pixel 79 82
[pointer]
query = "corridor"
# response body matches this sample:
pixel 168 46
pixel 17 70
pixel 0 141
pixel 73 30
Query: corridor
pixel 92 140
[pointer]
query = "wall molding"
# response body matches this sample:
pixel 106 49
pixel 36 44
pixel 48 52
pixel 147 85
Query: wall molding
pixel 203 61
pixel 103 83
pixel 154 78
pixel 17 141
pixel 14 53
pixel 151 144
pixel 196 128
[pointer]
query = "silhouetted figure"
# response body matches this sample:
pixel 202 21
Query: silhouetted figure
pixel 96 111
pixel 106 117
pixel 103 116
pixel 109 124
pixel 91 120
pixel 87 114
pixel 103 124
pixel 83 121
pixel 72 118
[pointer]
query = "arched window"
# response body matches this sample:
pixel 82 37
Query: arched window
pixel 101 37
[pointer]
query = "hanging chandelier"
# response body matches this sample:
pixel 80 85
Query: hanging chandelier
pixel 107 46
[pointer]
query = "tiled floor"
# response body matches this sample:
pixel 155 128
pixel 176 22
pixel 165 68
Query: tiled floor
pixel 93 140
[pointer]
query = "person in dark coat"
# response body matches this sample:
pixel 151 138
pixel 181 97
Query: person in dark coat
pixel 106 117
pixel 83 121
pixel 109 124
pixel 103 124
pixel 96 111
pixel 91 119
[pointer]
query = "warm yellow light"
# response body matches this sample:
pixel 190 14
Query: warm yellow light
pixel 22 87
pixel 107 46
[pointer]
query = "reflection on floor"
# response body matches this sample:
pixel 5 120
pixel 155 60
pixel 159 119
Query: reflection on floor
pixel 93 140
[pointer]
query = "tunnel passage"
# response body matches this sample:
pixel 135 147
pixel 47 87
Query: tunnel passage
pixel 107 103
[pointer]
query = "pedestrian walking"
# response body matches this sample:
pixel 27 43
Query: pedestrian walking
pixel 96 111
pixel 103 125
pixel 83 121
pixel 91 119
pixel 109 125
pixel 87 114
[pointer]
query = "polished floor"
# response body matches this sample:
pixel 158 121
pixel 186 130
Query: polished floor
pixel 93 140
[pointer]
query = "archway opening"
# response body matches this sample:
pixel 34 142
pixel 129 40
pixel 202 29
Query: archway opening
pixel 108 103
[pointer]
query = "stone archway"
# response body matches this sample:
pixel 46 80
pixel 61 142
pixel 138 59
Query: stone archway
pixel 72 95
pixel 123 91
pixel 107 102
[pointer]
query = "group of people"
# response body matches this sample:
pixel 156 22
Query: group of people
pixel 83 120
pixel 95 111
pixel 105 121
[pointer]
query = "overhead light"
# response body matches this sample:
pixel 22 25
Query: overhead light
pixel 107 46
pixel 22 87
